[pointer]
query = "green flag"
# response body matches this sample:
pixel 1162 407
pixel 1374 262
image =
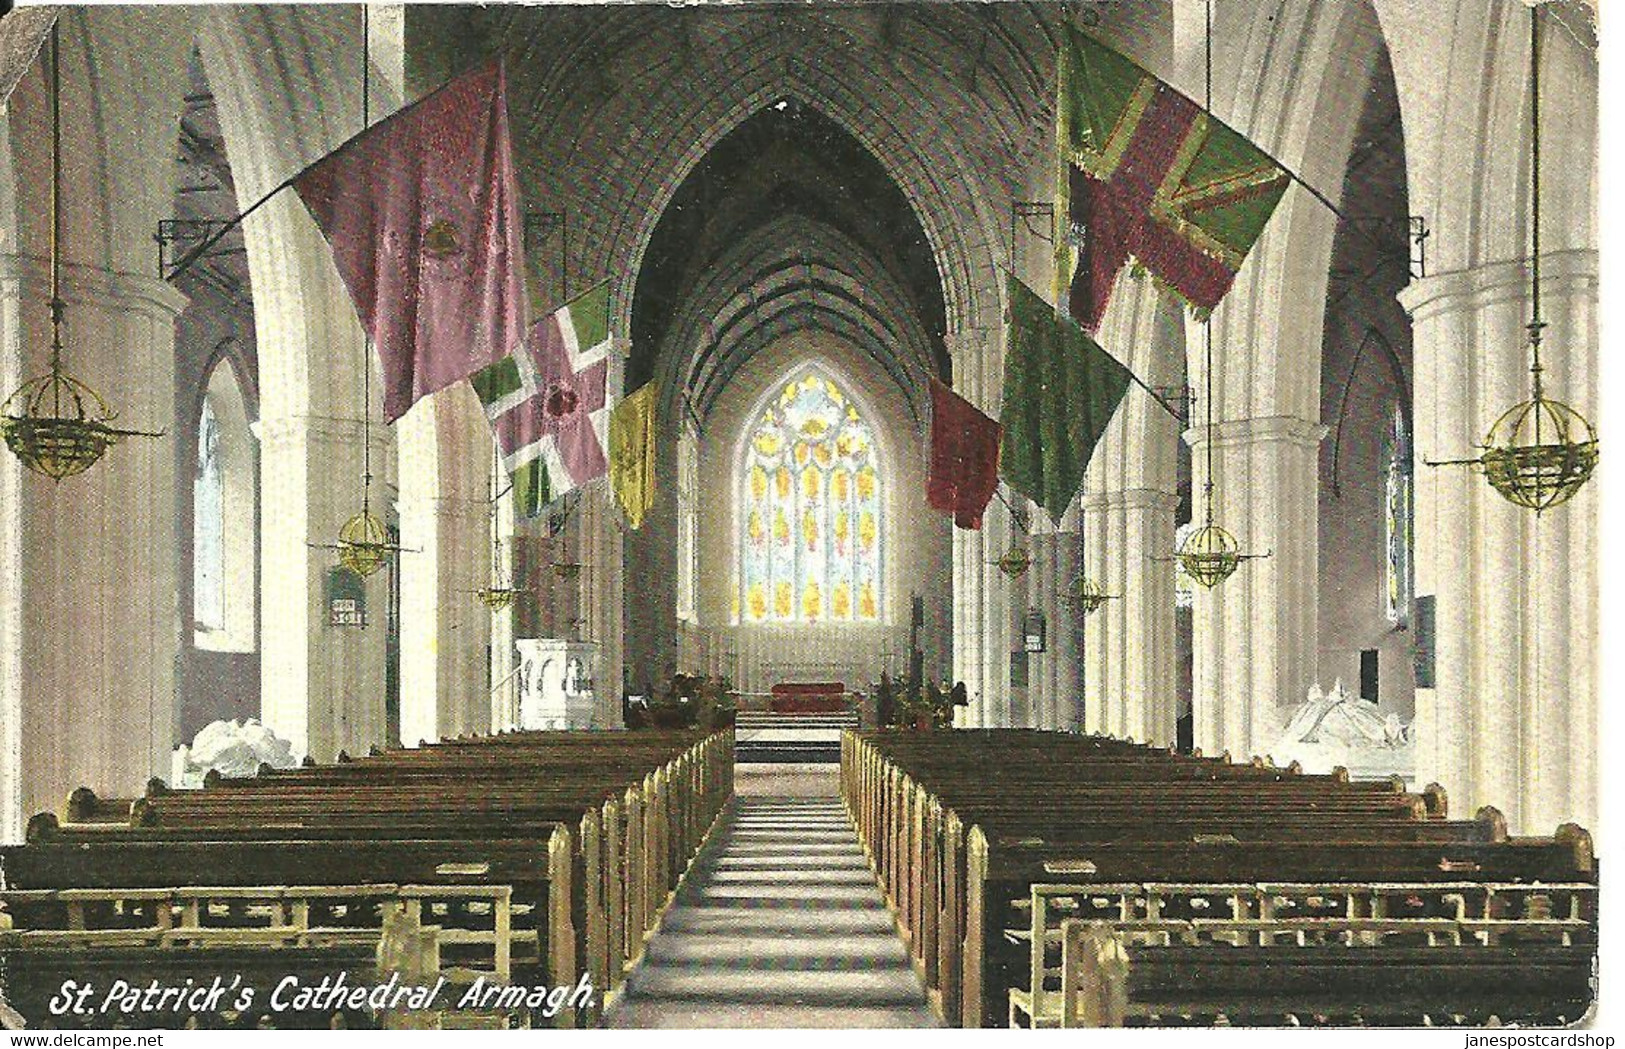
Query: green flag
pixel 1060 391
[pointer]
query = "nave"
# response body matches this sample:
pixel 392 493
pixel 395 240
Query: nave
pixel 780 923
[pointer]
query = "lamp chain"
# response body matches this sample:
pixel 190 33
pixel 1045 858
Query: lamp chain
pixel 1207 322
pixel 57 306
pixel 1536 324
pixel 366 363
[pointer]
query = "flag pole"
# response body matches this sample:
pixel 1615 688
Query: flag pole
pixel 214 238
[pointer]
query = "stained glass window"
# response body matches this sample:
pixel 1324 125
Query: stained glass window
pixel 1398 518
pixel 810 511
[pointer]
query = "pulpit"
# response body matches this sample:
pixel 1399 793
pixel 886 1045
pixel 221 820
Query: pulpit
pixel 556 683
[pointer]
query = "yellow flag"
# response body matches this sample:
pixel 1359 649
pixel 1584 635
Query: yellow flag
pixel 632 453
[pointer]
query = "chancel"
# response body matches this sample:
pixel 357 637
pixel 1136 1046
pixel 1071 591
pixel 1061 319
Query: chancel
pixel 784 515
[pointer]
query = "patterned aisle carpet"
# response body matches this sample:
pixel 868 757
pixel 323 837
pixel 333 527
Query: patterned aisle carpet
pixel 780 924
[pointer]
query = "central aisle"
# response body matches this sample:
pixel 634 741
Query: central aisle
pixel 780 924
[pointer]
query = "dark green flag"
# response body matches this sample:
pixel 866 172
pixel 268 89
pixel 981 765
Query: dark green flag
pixel 1060 391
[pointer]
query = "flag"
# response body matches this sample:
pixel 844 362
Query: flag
pixel 22 31
pixel 422 213
pixel 1147 174
pixel 546 402
pixel 964 457
pixel 1060 391
pixel 632 453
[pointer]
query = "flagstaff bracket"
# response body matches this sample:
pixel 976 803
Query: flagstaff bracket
pixel 178 238
pixel 1022 215
pixel 541 227
pixel 1177 400
pixel 1414 228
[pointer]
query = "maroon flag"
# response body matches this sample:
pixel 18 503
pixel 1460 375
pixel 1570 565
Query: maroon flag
pixel 422 213
pixel 964 457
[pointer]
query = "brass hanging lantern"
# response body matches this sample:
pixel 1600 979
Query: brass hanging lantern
pixel 1209 555
pixel 1087 595
pixel 1015 561
pixel 364 545
pixel 1540 451
pixel 57 425
pixel 499 593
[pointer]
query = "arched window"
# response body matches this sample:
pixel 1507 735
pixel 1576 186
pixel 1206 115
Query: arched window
pixel 1398 518
pixel 810 535
pixel 208 527
pixel 224 520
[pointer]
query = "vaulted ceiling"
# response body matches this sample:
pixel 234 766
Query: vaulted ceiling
pixel 787 223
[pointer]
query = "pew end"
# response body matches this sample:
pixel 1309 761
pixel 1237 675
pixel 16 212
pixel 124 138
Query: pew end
pixel 42 826
pixel 1438 800
pixel 1495 820
pixel 1578 840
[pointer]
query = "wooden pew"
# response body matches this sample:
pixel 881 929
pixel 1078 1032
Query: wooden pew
pixel 1390 954
pixel 590 835
pixel 1104 810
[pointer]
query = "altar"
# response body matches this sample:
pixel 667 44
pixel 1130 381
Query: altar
pixel 556 682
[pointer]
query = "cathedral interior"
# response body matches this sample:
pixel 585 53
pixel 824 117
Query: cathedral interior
pixel 804 217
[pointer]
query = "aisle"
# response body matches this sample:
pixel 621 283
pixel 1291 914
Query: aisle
pixel 780 924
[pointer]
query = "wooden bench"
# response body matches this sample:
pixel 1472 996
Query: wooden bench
pixel 1378 954
pixel 958 848
pixel 587 839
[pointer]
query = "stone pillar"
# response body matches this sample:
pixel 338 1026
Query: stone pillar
pixel 1512 718
pixel 321 686
pixel 1256 645
pixel 601 586
pixel 983 595
pixel 1055 678
pixel 445 523
pixel 1129 641
pixel 89 618
pixel 504 657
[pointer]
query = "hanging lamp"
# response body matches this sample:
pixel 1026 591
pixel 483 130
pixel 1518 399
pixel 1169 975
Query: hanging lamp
pixel 1014 562
pixel 1540 451
pixel 1087 595
pixel 1210 554
pixel 364 545
pixel 500 593
pixel 56 424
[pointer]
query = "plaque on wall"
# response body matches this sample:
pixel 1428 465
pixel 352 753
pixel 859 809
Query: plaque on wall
pixel 346 598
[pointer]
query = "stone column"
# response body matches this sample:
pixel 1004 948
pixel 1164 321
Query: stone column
pixel 1511 720
pixel 446 521
pixel 1256 643
pixel 321 686
pixel 89 619
pixel 983 595
pixel 504 698
pixel 1056 676
pixel 601 586
pixel 1129 641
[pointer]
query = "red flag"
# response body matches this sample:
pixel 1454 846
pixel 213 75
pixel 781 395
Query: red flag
pixel 422 213
pixel 964 457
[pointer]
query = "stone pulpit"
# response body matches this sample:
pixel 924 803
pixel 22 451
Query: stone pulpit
pixel 556 683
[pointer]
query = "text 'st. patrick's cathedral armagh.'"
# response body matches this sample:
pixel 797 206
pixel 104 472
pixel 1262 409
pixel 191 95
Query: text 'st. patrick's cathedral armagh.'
pixel 783 515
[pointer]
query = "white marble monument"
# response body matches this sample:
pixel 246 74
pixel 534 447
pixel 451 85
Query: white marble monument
pixel 556 683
